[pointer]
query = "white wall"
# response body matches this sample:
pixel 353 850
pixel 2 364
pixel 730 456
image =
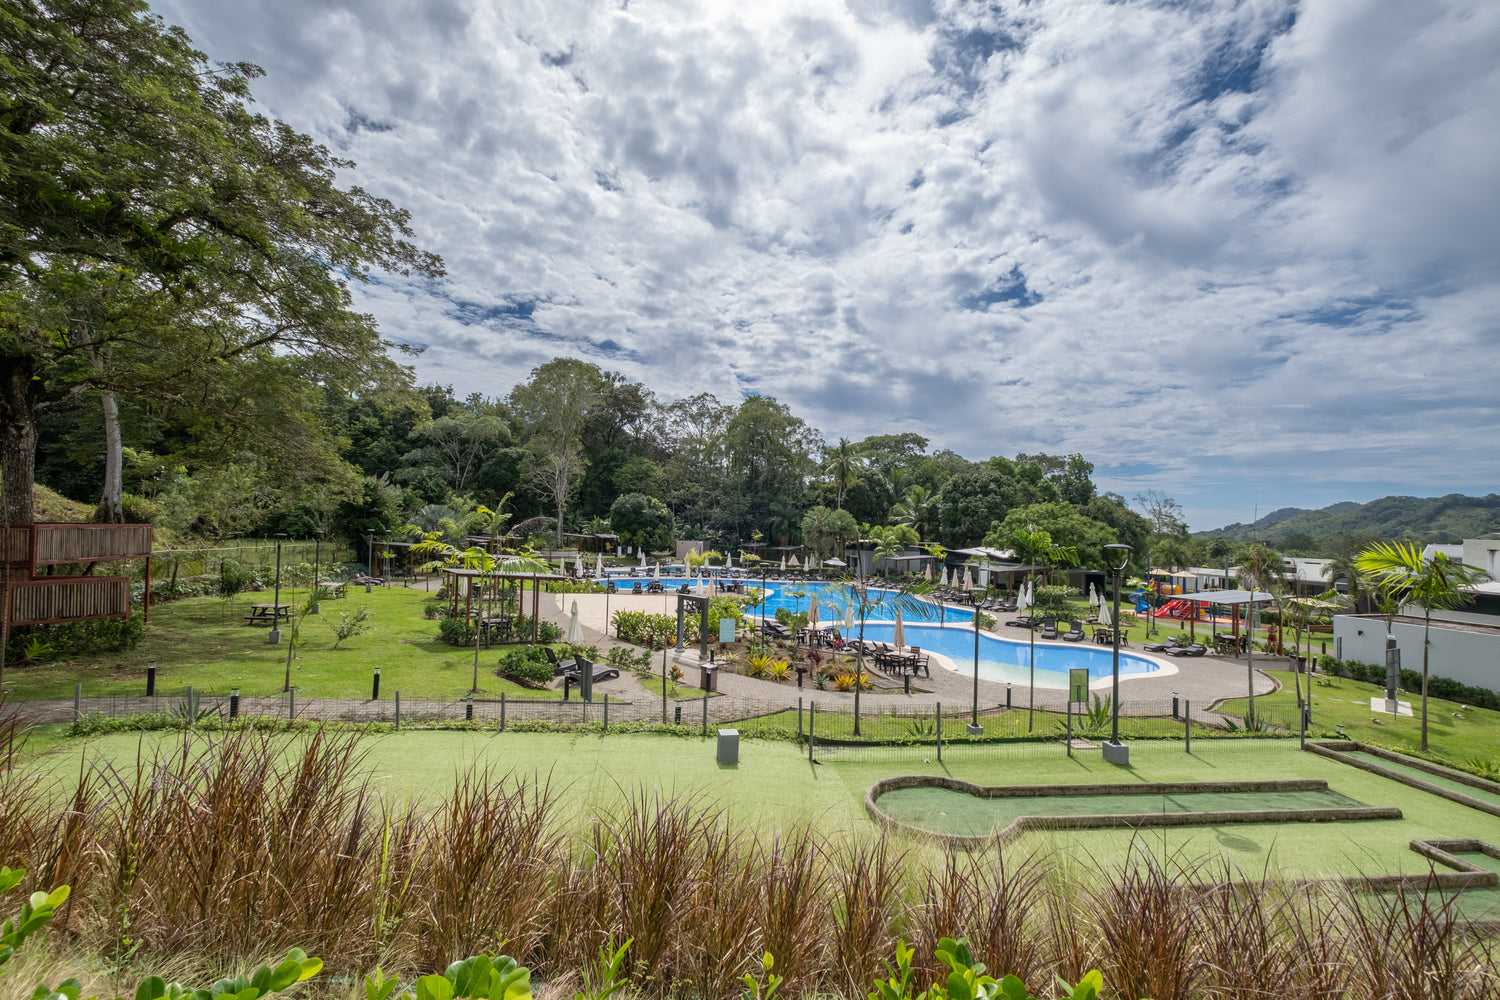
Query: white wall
pixel 1465 655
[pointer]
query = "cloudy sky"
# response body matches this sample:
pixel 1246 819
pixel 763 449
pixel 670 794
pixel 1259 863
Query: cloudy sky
pixel 1242 252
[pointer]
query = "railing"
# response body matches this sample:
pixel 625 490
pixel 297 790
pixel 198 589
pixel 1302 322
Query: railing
pixel 53 544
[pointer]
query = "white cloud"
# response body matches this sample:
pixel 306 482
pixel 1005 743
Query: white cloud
pixel 1223 250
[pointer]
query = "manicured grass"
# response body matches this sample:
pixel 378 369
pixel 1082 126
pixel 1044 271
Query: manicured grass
pixel 774 787
pixel 204 642
pixel 1339 701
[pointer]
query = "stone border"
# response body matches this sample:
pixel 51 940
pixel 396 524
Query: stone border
pixel 1025 824
pixel 1338 750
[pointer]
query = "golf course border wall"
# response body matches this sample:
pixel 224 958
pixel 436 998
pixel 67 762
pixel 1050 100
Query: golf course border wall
pixel 1026 824
pixel 1339 750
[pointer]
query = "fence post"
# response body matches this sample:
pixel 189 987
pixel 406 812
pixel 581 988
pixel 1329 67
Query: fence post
pixel 799 718
pixel 705 713
pixel 812 709
pixel 291 704
pixel 77 702
pixel 606 709
pixel 398 711
pixel 940 731
pixel 1187 725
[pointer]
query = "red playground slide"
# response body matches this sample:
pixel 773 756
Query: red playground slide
pixel 1178 609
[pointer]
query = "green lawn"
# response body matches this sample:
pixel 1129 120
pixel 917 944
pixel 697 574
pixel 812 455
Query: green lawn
pixel 1455 736
pixel 204 642
pixel 774 787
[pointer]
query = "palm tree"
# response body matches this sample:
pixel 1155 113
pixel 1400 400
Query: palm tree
pixel 1263 569
pixel 1342 568
pixel 844 465
pixel 887 544
pixel 915 510
pixel 1399 571
pixel 1036 547
pixel 854 594
pixel 1303 610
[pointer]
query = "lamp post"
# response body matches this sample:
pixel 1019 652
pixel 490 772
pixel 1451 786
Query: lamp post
pixel 369 559
pixel 275 635
pixel 317 607
pixel 1115 752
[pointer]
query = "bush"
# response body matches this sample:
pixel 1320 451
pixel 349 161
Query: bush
pixel 547 632
pixel 527 666
pixel 457 631
pixel 1411 680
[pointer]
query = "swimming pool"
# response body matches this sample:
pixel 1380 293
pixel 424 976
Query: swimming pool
pixel 795 597
pixel 1008 661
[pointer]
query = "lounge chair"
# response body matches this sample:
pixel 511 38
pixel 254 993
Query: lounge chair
pixel 1049 629
pixel 1026 621
pixel 559 667
pixel 601 672
pixel 1196 649
pixel 1075 632
pixel 1173 642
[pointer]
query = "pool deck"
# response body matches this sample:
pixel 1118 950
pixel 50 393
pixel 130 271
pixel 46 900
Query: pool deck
pixel 1205 680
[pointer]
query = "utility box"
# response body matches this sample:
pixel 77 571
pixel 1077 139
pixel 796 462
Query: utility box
pixel 708 677
pixel 1116 753
pixel 729 746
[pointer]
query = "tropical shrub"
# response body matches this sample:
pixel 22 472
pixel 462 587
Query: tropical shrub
pixel 349 625
pixel 457 631
pixel 527 666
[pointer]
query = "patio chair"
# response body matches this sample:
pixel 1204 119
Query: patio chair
pixel 1196 649
pixel 1025 621
pixel 601 672
pixel 559 667
pixel 1075 632
pixel 1049 629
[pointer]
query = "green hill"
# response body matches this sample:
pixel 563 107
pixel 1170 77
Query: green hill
pixel 1448 519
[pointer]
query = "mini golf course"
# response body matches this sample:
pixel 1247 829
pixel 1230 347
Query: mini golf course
pixel 965 815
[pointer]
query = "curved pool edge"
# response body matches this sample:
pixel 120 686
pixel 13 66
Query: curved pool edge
pixel 1164 667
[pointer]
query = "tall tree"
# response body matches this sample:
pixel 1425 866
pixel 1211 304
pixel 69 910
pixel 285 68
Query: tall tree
pixel 1263 569
pixel 553 406
pixel 1398 570
pixel 844 465
pixel 152 227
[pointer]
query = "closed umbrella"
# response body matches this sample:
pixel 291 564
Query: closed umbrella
pixel 969 578
pixel 927 573
pixel 900 637
pixel 812 611
pixel 729 561
pixel 599 564
pixel 783 562
pixel 643 557
pixel 578 564
pixel 1024 601
pixel 1104 618
pixel 658 569
pixel 575 628
pixel 1093 597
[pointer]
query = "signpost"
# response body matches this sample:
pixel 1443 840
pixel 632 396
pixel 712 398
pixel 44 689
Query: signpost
pixel 1078 690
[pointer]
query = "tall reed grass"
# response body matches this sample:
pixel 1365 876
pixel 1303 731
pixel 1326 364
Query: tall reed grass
pixel 228 849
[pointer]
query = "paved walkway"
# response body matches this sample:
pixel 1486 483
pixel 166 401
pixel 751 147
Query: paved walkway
pixel 1205 681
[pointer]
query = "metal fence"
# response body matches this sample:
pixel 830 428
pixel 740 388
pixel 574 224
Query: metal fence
pixel 829 729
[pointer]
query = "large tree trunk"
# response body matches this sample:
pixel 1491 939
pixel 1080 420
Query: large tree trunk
pixel 18 418
pixel 111 502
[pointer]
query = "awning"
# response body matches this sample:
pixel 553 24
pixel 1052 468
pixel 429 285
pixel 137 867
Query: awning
pixel 1225 597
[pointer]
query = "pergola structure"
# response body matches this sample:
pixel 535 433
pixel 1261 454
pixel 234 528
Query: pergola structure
pixel 460 583
pixel 699 603
pixel 1232 599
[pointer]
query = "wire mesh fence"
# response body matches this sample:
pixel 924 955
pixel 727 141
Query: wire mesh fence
pixel 830 729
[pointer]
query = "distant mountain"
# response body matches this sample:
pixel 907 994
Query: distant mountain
pixel 1451 518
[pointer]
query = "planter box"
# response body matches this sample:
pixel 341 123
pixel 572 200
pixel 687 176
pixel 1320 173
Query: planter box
pixel 1116 753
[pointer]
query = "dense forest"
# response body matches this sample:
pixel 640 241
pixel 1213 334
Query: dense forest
pixel 1450 518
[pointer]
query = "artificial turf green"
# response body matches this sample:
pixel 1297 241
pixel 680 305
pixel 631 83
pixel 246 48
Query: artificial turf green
pixel 774 787
pixel 948 811
pixel 1481 794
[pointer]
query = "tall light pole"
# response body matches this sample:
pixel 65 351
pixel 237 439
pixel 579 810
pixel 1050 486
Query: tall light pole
pixel 369 559
pixel 1122 552
pixel 276 601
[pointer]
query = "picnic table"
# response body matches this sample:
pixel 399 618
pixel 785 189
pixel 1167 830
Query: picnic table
pixel 335 589
pixel 268 614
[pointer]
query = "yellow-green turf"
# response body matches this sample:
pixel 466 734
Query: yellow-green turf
pixel 775 788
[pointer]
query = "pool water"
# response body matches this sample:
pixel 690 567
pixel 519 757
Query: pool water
pixel 1002 660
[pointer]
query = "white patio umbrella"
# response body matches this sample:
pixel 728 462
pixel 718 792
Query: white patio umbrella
pixel 598 563
pixel 1093 597
pixel 643 557
pixel 578 564
pixel 835 562
pixel 927 573
pixel 575 628
pixel 969 578
pixel 795 563
pixel 1104 618
pixel 812 611
pixel 729 561
pixel 658 569
pixel 900 637
pixel 1024 601
pixel 783 562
